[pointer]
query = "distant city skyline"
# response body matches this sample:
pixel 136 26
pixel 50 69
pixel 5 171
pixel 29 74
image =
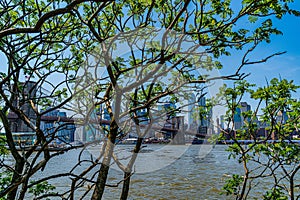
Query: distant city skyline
pixel 285 66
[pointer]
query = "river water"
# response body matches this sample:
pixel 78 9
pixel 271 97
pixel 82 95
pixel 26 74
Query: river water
pixel 165 172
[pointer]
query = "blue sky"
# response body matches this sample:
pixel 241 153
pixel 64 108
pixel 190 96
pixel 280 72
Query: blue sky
pixel 287 65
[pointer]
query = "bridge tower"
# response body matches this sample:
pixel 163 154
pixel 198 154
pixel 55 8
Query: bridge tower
pixel 179 136
pixel 27 93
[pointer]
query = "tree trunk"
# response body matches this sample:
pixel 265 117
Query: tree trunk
pixel 126 184
pixel 15 178
pixel 101 181
pixel 20 162
pixel 102 176
pixel 128 171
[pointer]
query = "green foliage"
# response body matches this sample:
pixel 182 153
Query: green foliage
pixel 275 155
pixel 59 47
pixel 41 188
pixel 275 194
pixel 3 150
pixel 5 180
pixel 5 176
pixel 232 185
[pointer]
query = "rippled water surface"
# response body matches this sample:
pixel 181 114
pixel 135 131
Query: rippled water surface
pixel 198 173
pixel 164 172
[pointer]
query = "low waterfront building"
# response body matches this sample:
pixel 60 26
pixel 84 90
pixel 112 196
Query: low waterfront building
pixel 64 131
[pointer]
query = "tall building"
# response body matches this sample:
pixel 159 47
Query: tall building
pixel 239 120
pixel 191 121
pixel 282 117
pixel 222 122
pixel 103 113
pixel 22 102
pixel 164 111
pixel 143 117
pixel 204 120
pixel 204 116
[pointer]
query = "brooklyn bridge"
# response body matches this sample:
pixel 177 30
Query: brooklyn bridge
pixel 174 127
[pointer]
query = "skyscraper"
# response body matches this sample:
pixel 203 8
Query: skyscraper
pixel 239 120
pixel 191 121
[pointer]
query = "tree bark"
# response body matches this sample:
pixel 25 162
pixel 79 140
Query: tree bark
pixel 101 181
pixel 15 178
pixel 19 165
pixel 126 184
pixel 128 171
pixel 102 176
